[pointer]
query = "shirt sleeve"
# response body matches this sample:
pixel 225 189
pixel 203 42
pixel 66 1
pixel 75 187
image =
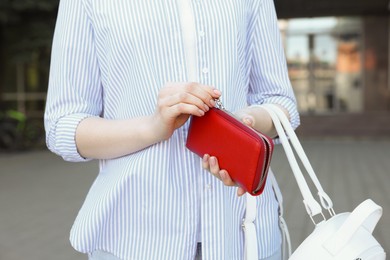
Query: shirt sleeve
pixel 75 91
pixel 269 80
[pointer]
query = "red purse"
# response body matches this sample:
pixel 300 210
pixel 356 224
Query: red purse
pixel 243 152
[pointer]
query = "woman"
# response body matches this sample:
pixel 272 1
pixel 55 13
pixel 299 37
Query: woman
pixel 125 78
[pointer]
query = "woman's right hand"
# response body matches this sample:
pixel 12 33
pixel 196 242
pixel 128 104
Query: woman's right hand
pixel 178 101
pixel 102 138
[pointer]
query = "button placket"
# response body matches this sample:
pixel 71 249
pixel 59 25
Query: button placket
pixel 175 34
pixel 203 67
pixel 202 34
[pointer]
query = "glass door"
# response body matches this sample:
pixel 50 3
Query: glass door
pixel 325 65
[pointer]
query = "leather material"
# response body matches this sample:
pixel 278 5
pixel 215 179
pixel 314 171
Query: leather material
pixel 244 153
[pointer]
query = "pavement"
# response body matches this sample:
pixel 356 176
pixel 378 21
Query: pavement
pixel 40 194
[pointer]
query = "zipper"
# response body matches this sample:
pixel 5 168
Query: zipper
pixel 256 134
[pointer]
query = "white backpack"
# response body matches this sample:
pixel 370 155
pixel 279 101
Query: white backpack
pixel 344 236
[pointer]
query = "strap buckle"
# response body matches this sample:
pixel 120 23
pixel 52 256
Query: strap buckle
pixel 314 222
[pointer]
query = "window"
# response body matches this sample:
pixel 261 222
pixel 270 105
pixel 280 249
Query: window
pixel 324 61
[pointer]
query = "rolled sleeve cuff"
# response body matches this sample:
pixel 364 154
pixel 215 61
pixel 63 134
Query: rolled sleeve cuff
pixel 288 104
pixel 291 107
pixel 62 139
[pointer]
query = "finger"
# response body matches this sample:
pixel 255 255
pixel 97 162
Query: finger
pixel 185 98
pixel 214 92
pixel 204 92
pixel 240 191
pixel 205 162
pixel 214 167
pixel 183 108
pixel 226 179
pixel 173 87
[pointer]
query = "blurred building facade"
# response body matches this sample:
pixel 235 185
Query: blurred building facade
pixel 337 53
pixel 338 58
pixel 339 69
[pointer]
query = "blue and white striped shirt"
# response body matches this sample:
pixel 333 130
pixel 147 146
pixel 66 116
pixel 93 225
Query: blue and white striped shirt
pixel 109 59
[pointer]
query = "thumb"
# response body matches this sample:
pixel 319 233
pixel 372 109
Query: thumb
pixel 249 120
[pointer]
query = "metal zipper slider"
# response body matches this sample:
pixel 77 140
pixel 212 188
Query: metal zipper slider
pixel 219 104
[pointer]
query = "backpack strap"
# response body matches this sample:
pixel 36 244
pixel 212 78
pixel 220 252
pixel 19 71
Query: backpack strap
pixel 367 214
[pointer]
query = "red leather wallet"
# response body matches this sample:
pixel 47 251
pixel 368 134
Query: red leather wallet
pixel 243 152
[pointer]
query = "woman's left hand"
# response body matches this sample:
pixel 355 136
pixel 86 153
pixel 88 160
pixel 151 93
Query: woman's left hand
pixel 210 163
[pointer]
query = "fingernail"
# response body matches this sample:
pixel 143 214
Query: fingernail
pixel 212 102
pixel 216 91
pixel 240 192
pixel 248 121
pixel 205 158
pixel 201 112
pixel 206 107
pixel 212 161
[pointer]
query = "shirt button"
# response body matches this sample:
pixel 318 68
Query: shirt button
pixel 208 187
pixel 205 70
pixel 201 33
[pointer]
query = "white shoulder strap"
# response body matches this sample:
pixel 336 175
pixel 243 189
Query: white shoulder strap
pixel 286 241
pixel 312 206
pixel 251 250
pixel 324 198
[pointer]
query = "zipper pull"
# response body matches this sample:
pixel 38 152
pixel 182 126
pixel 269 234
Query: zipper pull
pixel 219 104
